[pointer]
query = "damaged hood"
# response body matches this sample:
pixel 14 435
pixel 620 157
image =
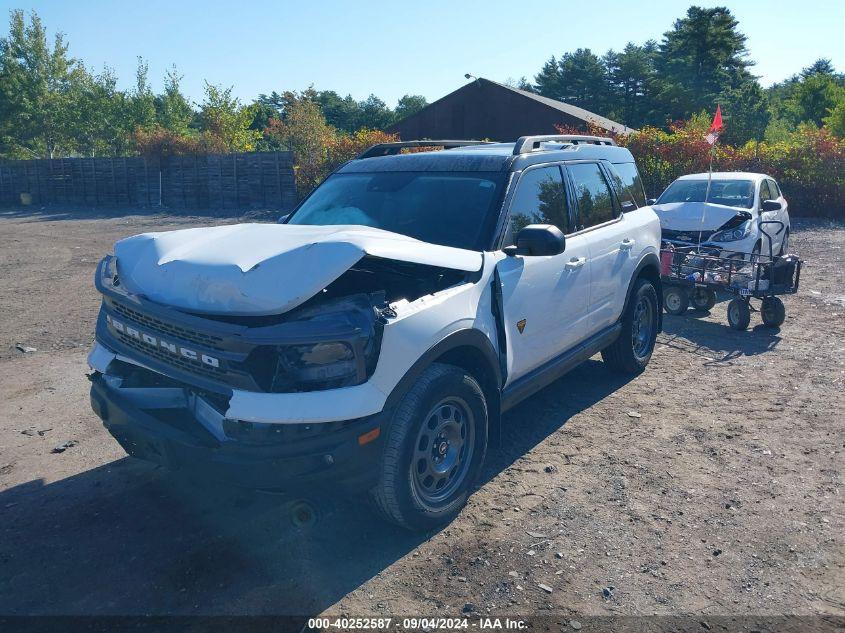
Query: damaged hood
pixel 262 269
pixel 687 216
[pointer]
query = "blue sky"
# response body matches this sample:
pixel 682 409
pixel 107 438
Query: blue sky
pixel 396 48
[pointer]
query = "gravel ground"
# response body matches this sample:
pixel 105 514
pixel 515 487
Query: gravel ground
pixel 709 485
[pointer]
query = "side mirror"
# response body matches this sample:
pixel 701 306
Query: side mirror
pixel 538 240
pixel 628 206
pixel 651 201
pixel 771 205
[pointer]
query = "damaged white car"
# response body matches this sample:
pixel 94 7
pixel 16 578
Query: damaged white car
pixel 372 339
pixel 745 214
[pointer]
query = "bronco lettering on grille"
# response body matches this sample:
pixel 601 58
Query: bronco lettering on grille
pixel 154 341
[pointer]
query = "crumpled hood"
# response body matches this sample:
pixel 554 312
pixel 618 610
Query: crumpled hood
pixel 687 216
pixel 261 269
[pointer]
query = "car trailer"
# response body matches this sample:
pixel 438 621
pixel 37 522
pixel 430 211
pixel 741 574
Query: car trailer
pixel 697 276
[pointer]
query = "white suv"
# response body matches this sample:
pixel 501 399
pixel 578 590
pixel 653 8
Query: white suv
pixel 372 339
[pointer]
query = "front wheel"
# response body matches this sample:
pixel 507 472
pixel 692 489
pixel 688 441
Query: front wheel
pixel 739 314
pixel 630 353
pixel 434 449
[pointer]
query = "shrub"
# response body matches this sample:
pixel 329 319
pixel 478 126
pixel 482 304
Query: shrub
pixel 318 148
pixel 809 164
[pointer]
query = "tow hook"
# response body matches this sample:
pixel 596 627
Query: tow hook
pixel 303 514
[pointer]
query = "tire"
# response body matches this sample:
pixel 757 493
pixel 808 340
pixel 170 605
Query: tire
pixel 703 299
pixel 443 398
pixel 675 300
pixel 773 312
pixel 739 314
pixel 631 351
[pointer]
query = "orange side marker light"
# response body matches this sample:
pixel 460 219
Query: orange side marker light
pixel 369 436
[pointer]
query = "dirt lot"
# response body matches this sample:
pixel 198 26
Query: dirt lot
pixel 711 484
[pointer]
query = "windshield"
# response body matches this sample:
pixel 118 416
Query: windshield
pixel 731 193
pixel 447 208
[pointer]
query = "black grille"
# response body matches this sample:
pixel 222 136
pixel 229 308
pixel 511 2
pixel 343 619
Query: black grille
pixel 205 340
pixel 693 237
pixel 194 367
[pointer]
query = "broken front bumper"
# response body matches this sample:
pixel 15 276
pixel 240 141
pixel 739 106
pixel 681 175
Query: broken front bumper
pixel 174 427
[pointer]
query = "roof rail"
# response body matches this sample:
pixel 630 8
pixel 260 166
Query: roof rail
pixel 389 149
pixel 532 143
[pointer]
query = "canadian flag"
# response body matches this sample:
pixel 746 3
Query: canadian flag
pixel 716 127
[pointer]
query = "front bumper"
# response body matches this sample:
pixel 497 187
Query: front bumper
pixel 166 430
pixel 740 249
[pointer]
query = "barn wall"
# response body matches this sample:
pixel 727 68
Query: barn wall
pixel 482 110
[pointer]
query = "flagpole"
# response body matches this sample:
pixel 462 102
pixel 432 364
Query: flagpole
pixel 712 137
pixel 706 196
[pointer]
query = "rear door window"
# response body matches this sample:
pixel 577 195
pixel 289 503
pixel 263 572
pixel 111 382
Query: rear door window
pixel 593 195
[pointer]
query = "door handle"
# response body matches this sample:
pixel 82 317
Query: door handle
pixel 627 244
pixel 576 262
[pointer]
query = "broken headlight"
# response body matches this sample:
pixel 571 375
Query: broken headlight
pixel 326 346
pixel 319 363
pixel 732 235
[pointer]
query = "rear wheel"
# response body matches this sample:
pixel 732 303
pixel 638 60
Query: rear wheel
pixel 631 351
pixel 703 299
pixel 773 312
pixel 739 314
pixel 675 300
pixel 433 451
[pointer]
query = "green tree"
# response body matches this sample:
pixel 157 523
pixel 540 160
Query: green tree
pixel 344 113
pixel 304 131
pixel 815 96
pixel 98 121
pixel 548 81
pixel 226 122
pixel 374 114
pixel 822 66
pixel 173 110
pixel 140 102
pixel 34 89
pixel 408 105
pixel 745 111
pixel 633 83
pixel 702 54
pixel 579 78
pixel 835 121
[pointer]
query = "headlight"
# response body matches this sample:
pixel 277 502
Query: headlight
pixel 732 235
pixel 318 366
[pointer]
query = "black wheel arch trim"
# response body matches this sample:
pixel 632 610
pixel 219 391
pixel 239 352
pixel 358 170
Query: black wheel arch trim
pixel 467 337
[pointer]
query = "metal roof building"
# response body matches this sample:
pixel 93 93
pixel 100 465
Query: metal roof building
pixel 485 109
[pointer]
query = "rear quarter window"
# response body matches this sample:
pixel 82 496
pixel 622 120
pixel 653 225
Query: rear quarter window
pixel 630 183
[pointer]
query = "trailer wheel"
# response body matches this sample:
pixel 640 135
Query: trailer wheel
pixel 703 299
pixel 773 312
pixel 739 314
pixel 675 300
